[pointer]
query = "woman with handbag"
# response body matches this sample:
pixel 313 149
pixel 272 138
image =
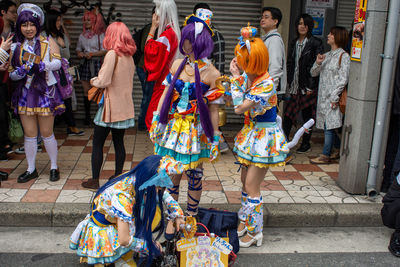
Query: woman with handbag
pixel 159 53
pixel 54 27
pixel 185 125
pixel 91 51
pixel 333 69
pixel 36 97
pixel 260 144
pixel 126 211
pixel 116 111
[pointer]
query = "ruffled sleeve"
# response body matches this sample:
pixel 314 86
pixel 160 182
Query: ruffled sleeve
pixel 121 206
pixel 157 53
pixel 215 96
pixel 173 208
pixel 263 93
pixel 237 90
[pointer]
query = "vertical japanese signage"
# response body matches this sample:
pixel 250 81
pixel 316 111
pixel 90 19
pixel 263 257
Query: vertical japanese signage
pixel 358 30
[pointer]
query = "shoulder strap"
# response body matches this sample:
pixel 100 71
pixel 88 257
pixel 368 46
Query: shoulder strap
pixel 340 59
pixel 98 42
pixel 269 36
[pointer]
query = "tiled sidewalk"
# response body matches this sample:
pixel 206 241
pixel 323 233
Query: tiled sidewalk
pixel 299 182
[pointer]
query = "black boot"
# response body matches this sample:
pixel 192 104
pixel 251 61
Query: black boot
pixel 3 176
pixel 394 245
pixel 87 110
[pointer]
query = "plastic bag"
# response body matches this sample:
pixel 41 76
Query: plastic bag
pixel 15 131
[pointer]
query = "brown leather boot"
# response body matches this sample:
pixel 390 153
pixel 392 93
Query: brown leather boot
pixel 91 184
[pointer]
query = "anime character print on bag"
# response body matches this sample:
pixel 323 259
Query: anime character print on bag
pixel 185 125
pixel 125 212
pixel 261 143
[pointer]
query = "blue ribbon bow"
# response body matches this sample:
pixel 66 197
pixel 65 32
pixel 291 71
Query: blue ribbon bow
pixel 160 179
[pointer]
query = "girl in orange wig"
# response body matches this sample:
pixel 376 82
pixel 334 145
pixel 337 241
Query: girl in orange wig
pixel 260 144
pixel 90 50
pixel 116 112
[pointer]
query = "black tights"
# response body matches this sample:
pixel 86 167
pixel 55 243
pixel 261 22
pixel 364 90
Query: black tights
pixel 99 137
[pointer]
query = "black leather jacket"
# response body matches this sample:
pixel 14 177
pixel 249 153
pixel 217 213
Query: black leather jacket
pixel 312 48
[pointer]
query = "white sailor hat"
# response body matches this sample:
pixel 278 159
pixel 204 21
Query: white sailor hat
pixel 37 11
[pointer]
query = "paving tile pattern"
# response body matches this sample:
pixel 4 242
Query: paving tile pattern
pixel 298 182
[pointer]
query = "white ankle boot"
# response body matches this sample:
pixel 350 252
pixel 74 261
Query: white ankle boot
pixel 257 239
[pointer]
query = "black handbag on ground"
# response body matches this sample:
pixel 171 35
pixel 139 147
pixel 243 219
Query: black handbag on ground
pixel 221 223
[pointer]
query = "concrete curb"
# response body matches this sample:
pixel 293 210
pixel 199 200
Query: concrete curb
pixel 275 215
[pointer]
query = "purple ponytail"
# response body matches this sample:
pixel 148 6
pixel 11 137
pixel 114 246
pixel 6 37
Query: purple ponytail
pixel 168 97
pixel 202 106
pixel 202 46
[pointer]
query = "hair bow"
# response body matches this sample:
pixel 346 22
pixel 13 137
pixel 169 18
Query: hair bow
pixel 160 179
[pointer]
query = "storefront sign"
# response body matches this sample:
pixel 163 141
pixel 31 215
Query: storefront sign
pixel 358 30
pixel 318 14
pixel 321 3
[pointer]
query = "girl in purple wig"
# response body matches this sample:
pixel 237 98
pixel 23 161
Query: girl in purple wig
pixel 36 97
pixel 185 125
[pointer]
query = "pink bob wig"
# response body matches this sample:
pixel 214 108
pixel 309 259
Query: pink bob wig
pixel 119 39
pixel 97 21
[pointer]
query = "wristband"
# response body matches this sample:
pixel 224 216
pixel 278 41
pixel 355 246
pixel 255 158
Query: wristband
pixel 156 115
pixel 151 35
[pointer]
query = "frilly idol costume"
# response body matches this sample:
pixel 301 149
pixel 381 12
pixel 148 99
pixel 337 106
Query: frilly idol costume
pixel 261 141
pixel 182 137
pixel 96 237
pixel 36 90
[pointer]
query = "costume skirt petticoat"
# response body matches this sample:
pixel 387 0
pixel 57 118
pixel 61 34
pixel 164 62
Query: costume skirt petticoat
pixel 49 103
pixel 183 139
pixel 96 244
pixel 129 123
pixel 261 144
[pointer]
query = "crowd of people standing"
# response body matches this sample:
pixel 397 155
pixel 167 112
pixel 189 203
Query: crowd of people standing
pixel 178 69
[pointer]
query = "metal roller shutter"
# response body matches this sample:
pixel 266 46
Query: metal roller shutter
pixel 229 17
pixel 345 13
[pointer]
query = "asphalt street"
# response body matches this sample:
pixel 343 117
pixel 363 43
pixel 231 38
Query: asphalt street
pixel 353 246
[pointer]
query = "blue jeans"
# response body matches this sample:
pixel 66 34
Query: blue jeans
pixel 147 89
pixel 331 140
